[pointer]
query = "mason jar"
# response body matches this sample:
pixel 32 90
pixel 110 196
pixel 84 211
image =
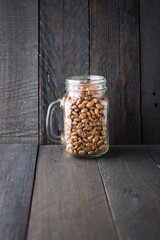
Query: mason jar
pixel 85 108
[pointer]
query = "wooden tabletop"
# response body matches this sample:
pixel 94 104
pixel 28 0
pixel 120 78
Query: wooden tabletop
pixel 46 194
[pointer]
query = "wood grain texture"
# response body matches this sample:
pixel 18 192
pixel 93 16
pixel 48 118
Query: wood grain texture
pixel 64 51
pixel 154 151
pixel 131 180
pixel 68 201
pixel 150 70
pixel 18 71
pixel 17 165
pixel 114 53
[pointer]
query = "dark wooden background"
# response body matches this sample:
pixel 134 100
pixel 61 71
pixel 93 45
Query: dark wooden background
pixel 43 42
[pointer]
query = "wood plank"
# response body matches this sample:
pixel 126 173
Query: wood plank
pixel 18 71
pixel 150 71
pixel 114 53
pixel 154 152
pixel 131 180
pixel 17 165
pixel 68 201
pixel 64 51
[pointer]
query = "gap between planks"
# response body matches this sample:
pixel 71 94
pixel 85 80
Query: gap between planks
pixel 69 201
pixel 33 184
pixel 109 205
pixel 131 181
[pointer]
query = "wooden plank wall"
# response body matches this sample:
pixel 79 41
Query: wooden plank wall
pixel 98 37
pixel 114 53
pixel 18 71
pixel 118 39
pixel 64 50
pixel 150 70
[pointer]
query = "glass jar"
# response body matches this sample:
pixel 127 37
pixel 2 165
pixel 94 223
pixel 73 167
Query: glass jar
pixel 85 106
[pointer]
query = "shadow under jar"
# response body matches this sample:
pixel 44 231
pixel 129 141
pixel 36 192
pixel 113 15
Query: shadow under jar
pixel 85 106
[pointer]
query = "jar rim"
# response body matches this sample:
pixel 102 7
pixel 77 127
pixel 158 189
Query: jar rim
pixel 85 79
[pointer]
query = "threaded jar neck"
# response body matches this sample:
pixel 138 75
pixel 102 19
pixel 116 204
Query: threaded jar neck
pixel 96 82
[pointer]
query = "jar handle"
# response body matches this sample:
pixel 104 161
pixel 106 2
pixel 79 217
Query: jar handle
pixel 53 105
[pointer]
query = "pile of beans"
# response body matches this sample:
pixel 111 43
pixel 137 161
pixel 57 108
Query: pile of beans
pixel 85 125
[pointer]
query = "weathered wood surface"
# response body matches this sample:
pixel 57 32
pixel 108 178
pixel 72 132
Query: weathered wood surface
pixel 154 152
pixel 17 165
pixel 131 181
pixel 114 53
pixel 150 70
pixel 100 37
pixel 79 37
pixel 18 71
pixel 68 201
pixel 114 197
pixel 64 51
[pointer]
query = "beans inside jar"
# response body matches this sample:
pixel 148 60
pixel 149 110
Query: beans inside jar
pixel 85 126
pixel 85 107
